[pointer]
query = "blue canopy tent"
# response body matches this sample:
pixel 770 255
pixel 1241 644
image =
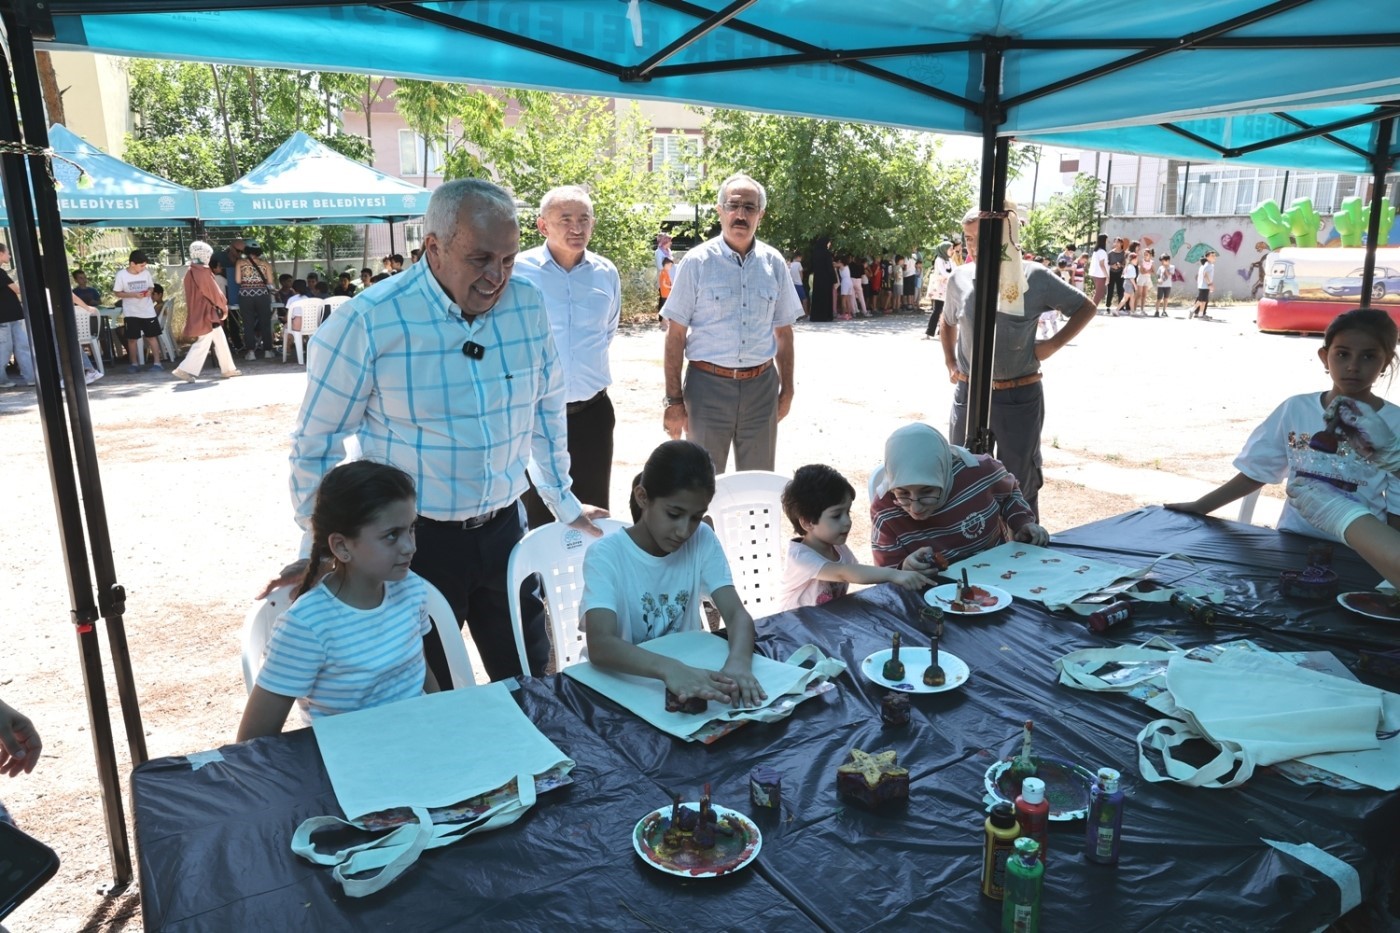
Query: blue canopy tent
pixel 304 181
pixel 100 190
pixel 1070 72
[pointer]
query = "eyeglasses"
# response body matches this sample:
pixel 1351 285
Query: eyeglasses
pixel 929 501
pixel 734 207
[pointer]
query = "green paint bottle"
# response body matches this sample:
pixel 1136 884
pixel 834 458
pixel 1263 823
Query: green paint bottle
pixel 1020 908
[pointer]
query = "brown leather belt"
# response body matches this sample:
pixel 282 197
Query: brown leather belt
pixel 573 408
pixel 1032 379
pixel 724 372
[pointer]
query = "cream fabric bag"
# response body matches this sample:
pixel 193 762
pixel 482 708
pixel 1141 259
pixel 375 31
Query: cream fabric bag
pixel 785 683
pixel 435 750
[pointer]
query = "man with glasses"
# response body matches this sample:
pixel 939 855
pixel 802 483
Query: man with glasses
pixel 583 298
pixel 730 314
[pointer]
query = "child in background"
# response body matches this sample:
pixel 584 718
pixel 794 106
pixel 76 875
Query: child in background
pixel 663 283
pixel 1357 347
pixel 646 582
pixel 1166 272
pixel 355 638
pixel 1130 274
pixel 1205 284
pixel 1144 280
pixel 846 288
pixel 820 567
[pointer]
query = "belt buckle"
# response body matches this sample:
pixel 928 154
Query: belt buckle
pixel 470 523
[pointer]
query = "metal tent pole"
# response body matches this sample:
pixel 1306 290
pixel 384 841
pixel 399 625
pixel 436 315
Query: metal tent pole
pixel 991 203
pixel 41 260
pixel 1380 163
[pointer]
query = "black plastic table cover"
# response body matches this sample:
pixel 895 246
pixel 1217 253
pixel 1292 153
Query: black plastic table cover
pixel 214 842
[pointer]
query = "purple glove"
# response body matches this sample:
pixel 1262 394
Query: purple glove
pixel 1366 431
pixel 1327 508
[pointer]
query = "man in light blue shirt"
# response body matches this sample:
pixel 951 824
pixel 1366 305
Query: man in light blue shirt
pixel 583 297
pixel 730 315
pixel 448 372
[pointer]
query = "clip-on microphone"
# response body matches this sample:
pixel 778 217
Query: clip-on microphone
pixel 473 350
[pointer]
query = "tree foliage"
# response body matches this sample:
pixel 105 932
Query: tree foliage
pixel 1068 217
pixel 205 125
pixel 871 189
pixel 564 140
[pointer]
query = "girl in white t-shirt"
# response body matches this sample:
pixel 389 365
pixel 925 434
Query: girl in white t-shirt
pixel 647 582
pixel 820 567
pixel 353 639
pixel 1098 268
pixel 1357 347
pixel 1130 274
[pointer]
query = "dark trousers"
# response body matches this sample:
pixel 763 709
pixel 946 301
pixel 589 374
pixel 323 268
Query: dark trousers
pixel 590 459
pixel 469 567
pixel 257 320
pixel 1018 415
pixel 934 318
pixel 1115 287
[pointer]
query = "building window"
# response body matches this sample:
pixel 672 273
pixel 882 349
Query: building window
pixel 412 151
pixel 1122 200
pixel 413 235
pixel 678 155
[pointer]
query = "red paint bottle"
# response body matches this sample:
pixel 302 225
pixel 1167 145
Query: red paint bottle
pixel 1033 812
pixel 1120 610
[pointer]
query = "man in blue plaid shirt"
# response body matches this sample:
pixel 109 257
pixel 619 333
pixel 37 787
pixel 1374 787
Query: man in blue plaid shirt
pixel 448 371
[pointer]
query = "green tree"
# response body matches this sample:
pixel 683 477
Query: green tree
pixel 429 108
pixel 558 139
pixel 1068 217
pixel 206 125
pixel 871 189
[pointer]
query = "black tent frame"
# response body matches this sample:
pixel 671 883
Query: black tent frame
pixel 41 264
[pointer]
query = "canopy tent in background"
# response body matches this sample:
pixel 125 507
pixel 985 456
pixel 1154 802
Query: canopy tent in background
pixel 306 182
pixel 1062 71
pixel 115 193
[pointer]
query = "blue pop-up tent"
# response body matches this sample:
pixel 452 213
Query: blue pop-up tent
pixel 1074 72
pixel 304 181
pixel 100 190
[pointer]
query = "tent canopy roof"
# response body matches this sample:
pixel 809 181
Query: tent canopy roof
pixel 1069 72
pixel 306 181
pixel 120 195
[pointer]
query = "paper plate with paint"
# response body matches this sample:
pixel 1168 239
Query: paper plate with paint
pixel 955 670
pixel 982 600
pixel 674 849
pixel 1067 786
pixel 1373 604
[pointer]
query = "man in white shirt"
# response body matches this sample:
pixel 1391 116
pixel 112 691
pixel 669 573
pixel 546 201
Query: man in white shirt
pixel 133 286
pixel 730 314
pixel 583 297
pixel 448 372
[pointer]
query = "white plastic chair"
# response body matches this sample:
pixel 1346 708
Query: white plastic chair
pixel 331 304
pixel 167 343
pixel 554 552
pixel 257 630
pixel 82 322
pixel 309 311
pixel 747 512
pixel 1247 504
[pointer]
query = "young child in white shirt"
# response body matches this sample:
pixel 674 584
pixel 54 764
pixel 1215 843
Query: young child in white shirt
pixel 820 567
pixel 647 581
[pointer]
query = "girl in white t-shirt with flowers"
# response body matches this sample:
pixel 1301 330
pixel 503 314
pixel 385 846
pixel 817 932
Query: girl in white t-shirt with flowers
pixel 647 581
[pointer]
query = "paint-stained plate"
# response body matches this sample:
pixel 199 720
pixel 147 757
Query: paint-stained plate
pixel 737 843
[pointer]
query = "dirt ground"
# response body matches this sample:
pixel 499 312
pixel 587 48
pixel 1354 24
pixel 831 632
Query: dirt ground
pixel 1140 411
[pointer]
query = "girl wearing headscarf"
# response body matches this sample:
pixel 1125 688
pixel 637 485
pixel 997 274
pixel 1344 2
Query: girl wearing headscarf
pixel 206 305
pixel 938 284
pixel 935 497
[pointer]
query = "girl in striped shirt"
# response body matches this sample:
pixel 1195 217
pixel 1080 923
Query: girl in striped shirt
pixel 353 639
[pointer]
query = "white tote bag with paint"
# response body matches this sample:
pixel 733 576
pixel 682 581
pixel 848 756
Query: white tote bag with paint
pixel 433 751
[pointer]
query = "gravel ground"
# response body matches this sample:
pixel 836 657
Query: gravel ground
pixel 1140 411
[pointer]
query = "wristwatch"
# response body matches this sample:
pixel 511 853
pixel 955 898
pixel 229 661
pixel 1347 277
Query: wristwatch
pixel 674 400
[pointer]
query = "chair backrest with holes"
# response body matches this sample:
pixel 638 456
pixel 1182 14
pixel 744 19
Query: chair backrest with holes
pixel 747 512
pixel 877 476
pixel 554 552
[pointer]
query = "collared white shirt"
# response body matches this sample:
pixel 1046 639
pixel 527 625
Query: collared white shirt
pixel 584 306
pixel 388 368
pixel 732 303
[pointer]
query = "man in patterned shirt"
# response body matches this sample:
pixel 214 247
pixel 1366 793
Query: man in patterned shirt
pixel 448 372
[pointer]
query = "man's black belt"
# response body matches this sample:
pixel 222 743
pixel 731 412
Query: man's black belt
pixel 466 524
pixel 573 408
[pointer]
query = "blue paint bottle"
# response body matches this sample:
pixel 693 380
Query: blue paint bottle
pixel 1104 827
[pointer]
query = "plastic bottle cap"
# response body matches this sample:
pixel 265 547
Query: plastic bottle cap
pixel 1108 780
pixel 1027 848
pixel 1033 790
pixel 1003 815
